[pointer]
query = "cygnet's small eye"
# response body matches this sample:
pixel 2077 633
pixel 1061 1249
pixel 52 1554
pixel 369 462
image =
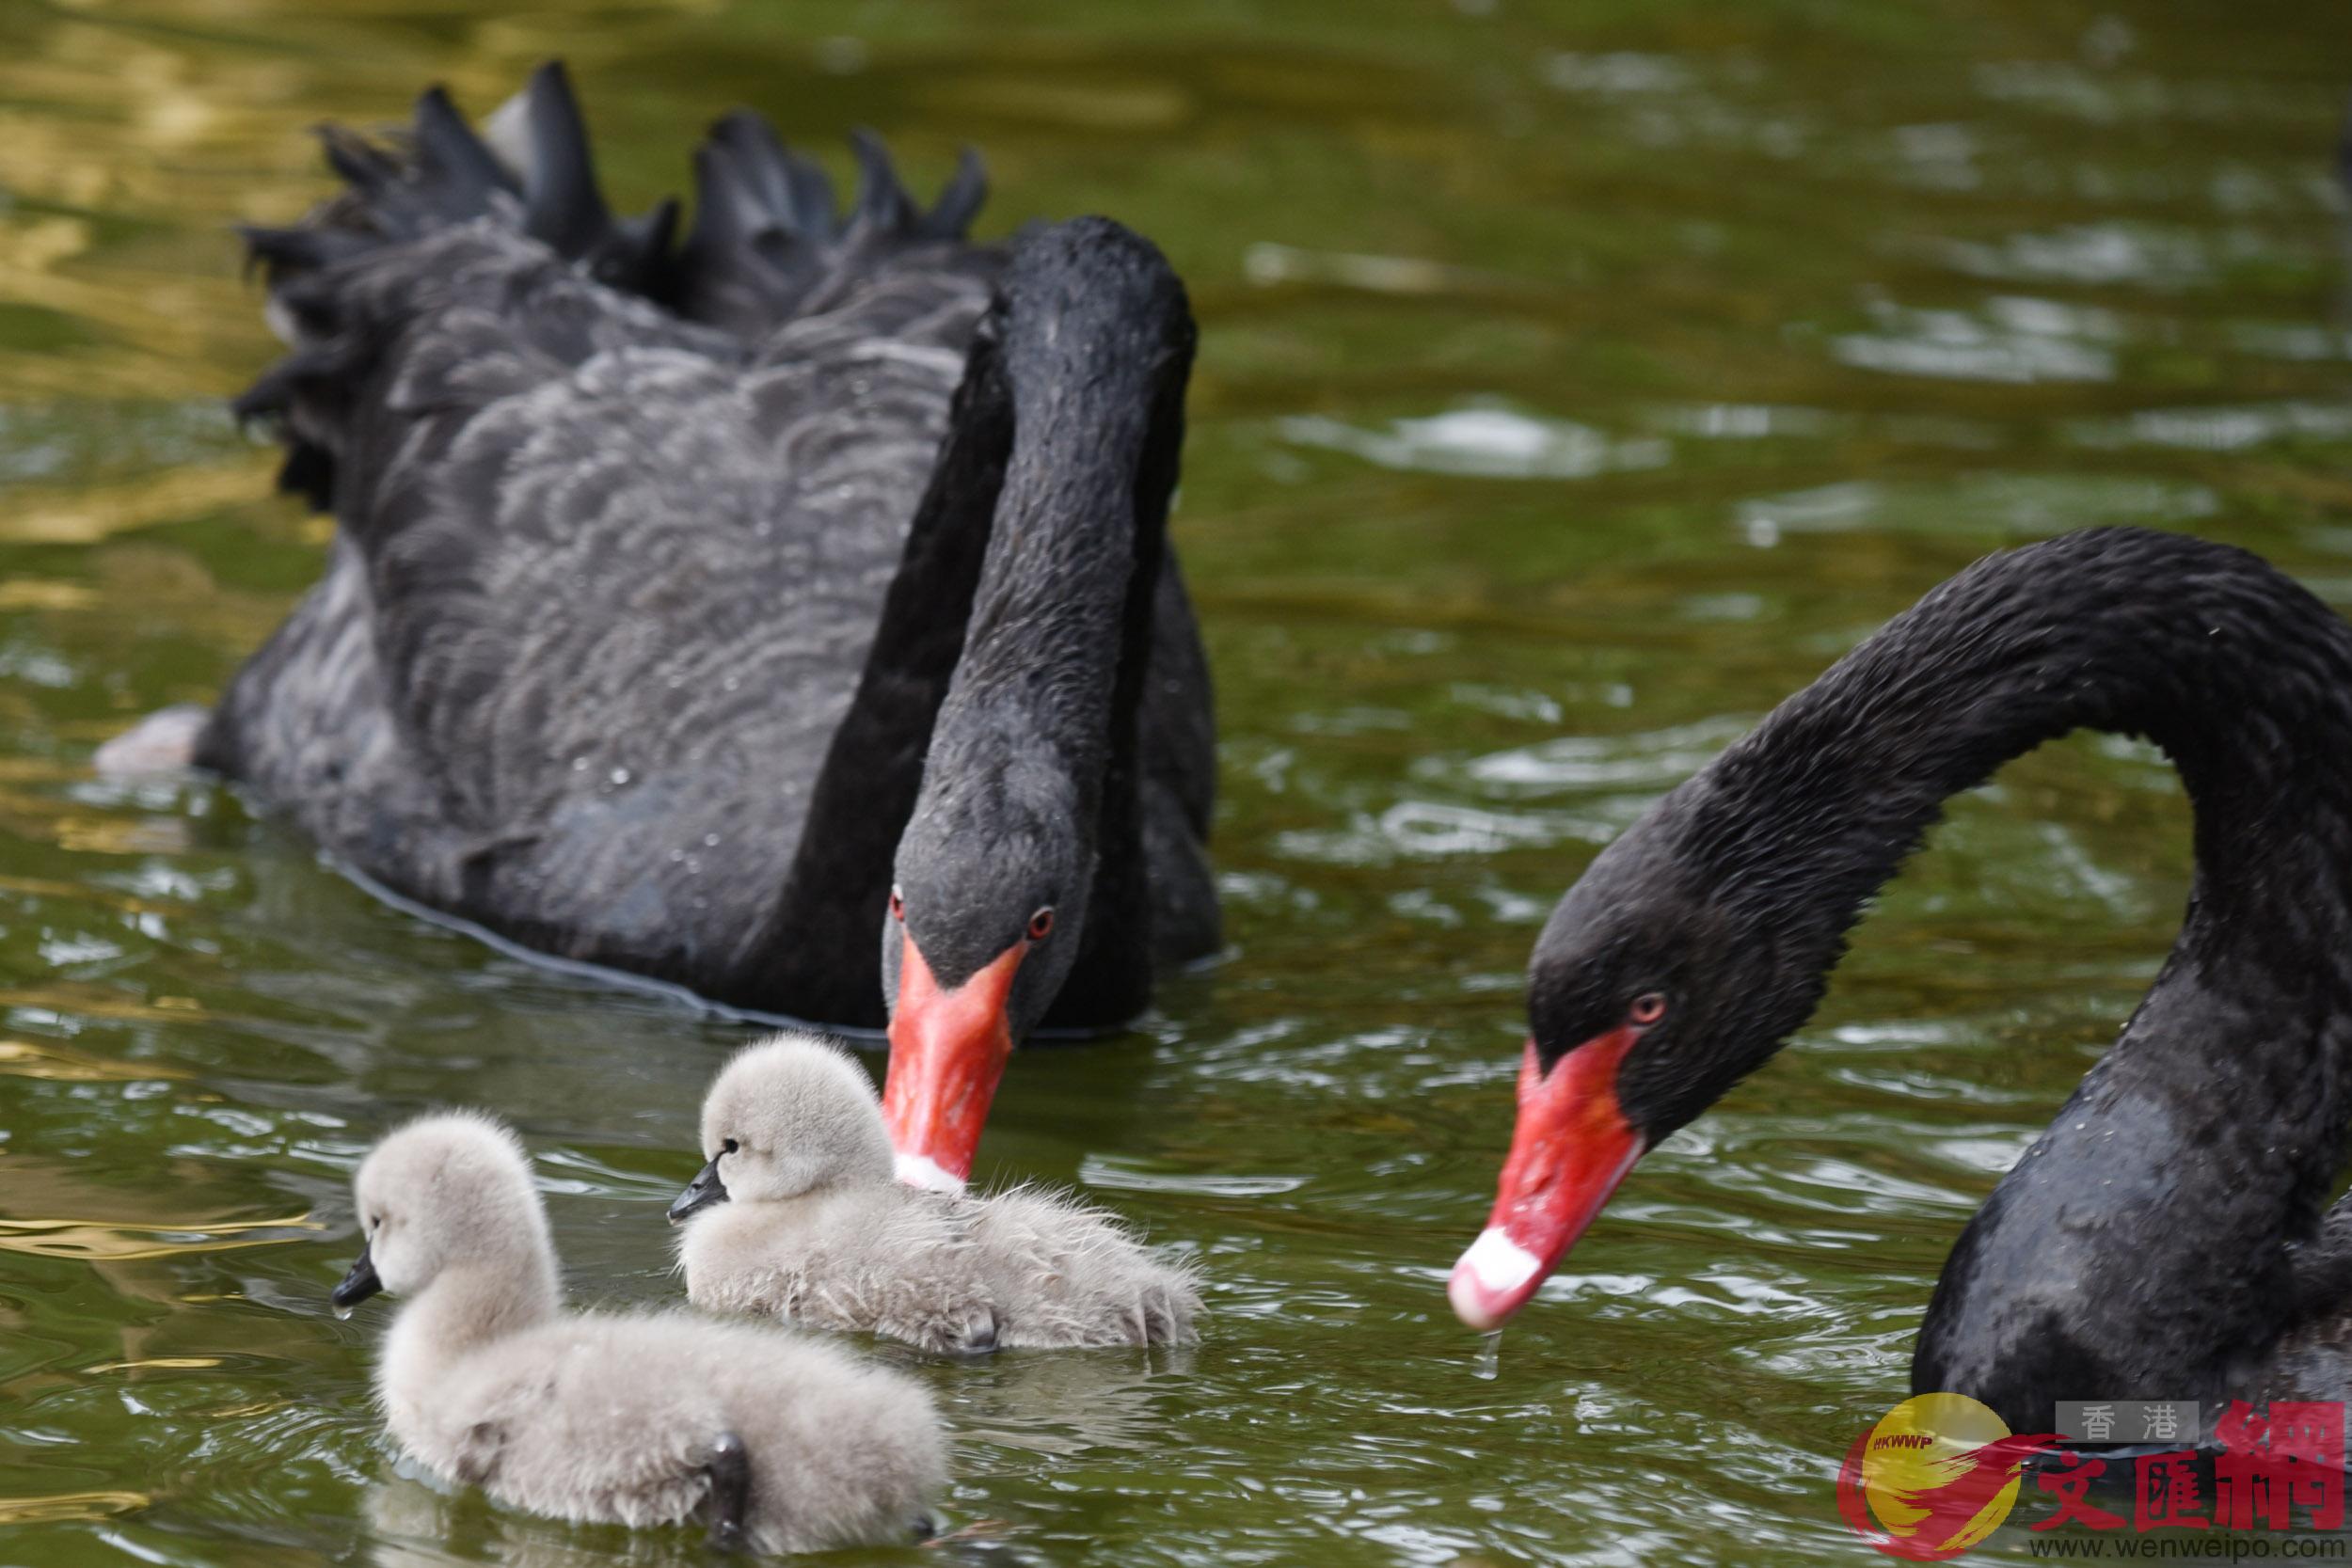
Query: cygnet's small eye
pixel 1647 1009
pixel 897 905
pixel 728 1147
pixel 1041 924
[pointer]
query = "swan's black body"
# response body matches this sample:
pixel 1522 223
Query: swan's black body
pixel 656 569
pixel 2164 1238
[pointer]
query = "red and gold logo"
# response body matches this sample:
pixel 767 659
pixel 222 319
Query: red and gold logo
pixel 1937 1475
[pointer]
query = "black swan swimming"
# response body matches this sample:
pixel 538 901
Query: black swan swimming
pixel 786 615
pixel 2170 1236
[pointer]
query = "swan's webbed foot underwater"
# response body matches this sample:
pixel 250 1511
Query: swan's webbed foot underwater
pixel 979 1332
pixel 730 1470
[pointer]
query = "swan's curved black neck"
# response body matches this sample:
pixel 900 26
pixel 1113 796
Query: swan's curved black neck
pixel 2240 675
pixel 1003 688
pixel 2142 1247
pixel 1032 779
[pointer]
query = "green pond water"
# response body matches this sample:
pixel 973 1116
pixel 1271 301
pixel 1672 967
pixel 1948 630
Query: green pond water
pixel 1576 380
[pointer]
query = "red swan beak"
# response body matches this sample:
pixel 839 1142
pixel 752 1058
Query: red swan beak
pixel 1572 1148
pixel 947 1049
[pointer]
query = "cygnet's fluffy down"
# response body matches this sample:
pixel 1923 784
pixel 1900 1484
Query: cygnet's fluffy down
pixel 783 1444
pixel 798 1215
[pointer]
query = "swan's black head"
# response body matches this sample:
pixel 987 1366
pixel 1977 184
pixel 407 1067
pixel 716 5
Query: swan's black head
pixel 1653 990
pixel 983 922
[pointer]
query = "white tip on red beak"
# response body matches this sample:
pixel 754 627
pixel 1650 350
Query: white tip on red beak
pixel 921 1170
pixel 1491 1281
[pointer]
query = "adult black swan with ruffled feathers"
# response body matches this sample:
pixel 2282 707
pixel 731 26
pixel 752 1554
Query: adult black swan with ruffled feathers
pixel 784 614
pixel 2171 1235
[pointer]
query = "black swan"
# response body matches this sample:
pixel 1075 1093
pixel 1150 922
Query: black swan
pixel 2170 1236
pixel 786 615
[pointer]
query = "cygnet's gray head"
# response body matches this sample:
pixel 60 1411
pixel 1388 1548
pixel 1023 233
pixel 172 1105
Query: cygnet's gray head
pixel 785 1117
pixel 444 1191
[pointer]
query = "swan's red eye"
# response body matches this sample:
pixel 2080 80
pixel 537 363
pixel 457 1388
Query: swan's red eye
pixel 1041 924
pixel 1647 1009
pixel 897 905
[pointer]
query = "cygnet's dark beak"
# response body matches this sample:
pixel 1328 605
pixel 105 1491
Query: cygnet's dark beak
pixel 359 1285
pixel 700 1194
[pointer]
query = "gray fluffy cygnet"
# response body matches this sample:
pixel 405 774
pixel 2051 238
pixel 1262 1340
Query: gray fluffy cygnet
pixel 783 1444
pixel 798 1215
